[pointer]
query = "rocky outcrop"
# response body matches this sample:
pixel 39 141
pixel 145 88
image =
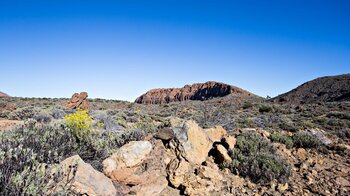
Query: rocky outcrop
pixel 198 91
pixel 3 94
pixel 79 101
pixel 83 179
pixel 324 89
pixel 180 156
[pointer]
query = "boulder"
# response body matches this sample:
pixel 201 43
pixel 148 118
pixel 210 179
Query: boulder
pixel 145 175
pixel 229 142
pixel 216 133
pixel 321 135
pixel 222 154
pixel 165 134
pixel 87 180
pixel 128 155
pixel 192 142
pixel 79 101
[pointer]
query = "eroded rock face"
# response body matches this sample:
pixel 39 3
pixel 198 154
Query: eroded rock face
pixel 198 91
pixel 79 101
pixel 87 180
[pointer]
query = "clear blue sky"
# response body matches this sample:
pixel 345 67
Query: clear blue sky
pixel 120 49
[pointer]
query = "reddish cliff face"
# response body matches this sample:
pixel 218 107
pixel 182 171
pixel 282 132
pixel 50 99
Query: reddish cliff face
pixel 199 91
pixel 3 94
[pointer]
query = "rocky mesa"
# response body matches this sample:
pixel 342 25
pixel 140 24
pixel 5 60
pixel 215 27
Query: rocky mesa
pixel 323 89
pixel 197 91
pixel 3 94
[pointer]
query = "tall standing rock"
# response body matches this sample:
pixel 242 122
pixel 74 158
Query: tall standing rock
pixel 79 101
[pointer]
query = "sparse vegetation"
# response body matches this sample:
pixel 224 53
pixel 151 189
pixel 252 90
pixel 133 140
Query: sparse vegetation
pixel 255 157
pixel 305 140
pixel 265 108
pixel 284 139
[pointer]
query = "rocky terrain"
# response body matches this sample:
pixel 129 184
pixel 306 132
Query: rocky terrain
pixel 236 144
pixel 199 91
pixel 324 89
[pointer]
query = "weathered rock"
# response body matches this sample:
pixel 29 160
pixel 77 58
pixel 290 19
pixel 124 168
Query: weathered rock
pixel 146 175
pixel 320 134
pixel 165 134
pixel 193 142
pixel 216 133
pixel 128 155
pixel 86 179
pixel 301 153
pixel 79 101
pixel 229 142
pixel 342 182
pixel 222 154
pixel 178 171
pixel 153 184
pixel 200 91
pixel 282 187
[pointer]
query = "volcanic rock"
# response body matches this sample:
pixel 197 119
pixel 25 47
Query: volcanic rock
pixel 128 155
pixel 324 89
pixel 87 180
pixel 3 94
pixel 79 101
pixel 198 91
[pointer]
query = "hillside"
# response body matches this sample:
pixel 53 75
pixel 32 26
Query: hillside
pixel 198 91
pixel 323 89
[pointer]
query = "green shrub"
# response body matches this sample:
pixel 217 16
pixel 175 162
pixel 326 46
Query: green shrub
pixel 255 157
pixel 305 140
pixel 284 139
pixel 265 108
pixel 247 105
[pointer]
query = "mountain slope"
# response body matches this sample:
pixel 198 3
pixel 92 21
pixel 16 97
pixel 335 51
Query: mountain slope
pixel 198 91
pixel 324 89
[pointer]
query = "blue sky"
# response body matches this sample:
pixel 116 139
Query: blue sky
pixel 120 49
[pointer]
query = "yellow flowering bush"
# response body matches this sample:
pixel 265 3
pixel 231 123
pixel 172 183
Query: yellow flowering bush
pixel 79 123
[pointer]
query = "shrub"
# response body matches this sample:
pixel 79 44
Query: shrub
pixel 305 140
pixel 265 108
pixel 23 113
pixel 79 123
pixel 284 139
pixel 42 117
pixel 247 105
pixel 21 171
pixel 255 157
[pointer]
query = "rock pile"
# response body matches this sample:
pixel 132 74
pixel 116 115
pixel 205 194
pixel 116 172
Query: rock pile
pixel 79 101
